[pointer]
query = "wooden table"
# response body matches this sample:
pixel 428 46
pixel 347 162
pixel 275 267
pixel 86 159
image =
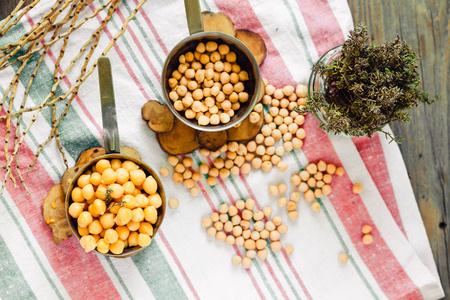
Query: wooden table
pixel 424 24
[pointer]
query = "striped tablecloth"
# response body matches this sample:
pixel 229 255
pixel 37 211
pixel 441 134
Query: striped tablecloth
pixel 182 262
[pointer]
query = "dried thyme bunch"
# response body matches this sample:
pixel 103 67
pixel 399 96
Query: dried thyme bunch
pixel 368 86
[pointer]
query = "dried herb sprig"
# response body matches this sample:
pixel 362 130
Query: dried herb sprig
pixel 368 86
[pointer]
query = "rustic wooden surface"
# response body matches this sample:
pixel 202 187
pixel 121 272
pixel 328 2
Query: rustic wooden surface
pixel 424 24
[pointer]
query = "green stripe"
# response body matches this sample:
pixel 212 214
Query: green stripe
pixel 340 238
pixel 136 60
pixel 113 268
pixel 12 284
pixel 144 34
pixel 30 246
pixel 157 273
pixel 206 5
pixel 297 29
pixel 255 262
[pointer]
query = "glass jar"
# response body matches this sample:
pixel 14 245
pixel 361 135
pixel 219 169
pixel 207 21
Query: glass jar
pixel 316 82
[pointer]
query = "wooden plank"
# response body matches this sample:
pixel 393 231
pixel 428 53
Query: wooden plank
pixel 424 24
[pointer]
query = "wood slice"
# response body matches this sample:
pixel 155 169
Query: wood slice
pixel 246 131
pixel 88 155
pixel 182 139
pixel 218 22
pixel 254 42
pixel 57 215
pixel 212 140
pixel 159 117
pixel 66 179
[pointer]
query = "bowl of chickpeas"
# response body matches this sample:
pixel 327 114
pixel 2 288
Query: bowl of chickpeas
pixel 210 80
pixel 115 205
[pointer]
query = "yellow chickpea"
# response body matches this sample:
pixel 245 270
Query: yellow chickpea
pixel 88 191
pixel 124 216
pixel 95 178
pixel 128 188
pixel 83 231
pixel 102 246
pixel 133 226
pixel 133 239
pixel 122 231
pixel 150 185
pixel 95 227
pixel 111 236
pixel 83 180
pixel 155 200
pixel 75 209
pixel 122 176
pixel 84 219
pixel 146 228
pixel 141 200
pixel 367 239
pixel 88 243
pixel 102 165
pixel 129 165
pixel 117 247
pixel 357 188
pixel 116 164
pixel 107 220
pixel 150 214
pixel 137 177
pixel 97 208
pixel 144 240
pixel 77 194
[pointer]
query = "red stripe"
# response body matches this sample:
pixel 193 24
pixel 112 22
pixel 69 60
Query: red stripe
pixel 288 260
pixel 66 80
pixel 138 44
pixel 177 261
pixel 322 24
pixel 213 208
pixel 269 267
pixel 152 28
pixel 372 154
pixel 71 264
pixel 352 212
pixel 273 68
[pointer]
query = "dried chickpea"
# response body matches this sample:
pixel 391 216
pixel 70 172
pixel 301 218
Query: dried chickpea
pixel 95 227
pixel 84 219
pixel 357 188
pixel 343 258
pixel 266 166
pixel 173 203
pixel 133 239
pixel 273 190
pixel 282 201
pixel 366 229
pixel 117 247
pixel 122 231
pixel 194 191
pixel 275 246
pixel 340 171
pixel 315 207
pixel 151 214
pixel 88 243
pixel 367 239
pixel 75 209
pixel 144 240
pixel 308 195
pixel 293 215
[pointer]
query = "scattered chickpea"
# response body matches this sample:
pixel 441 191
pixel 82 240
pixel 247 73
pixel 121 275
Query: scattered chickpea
pixel 236 260
pixel 343 258
pixel 367 239
pixel 164 172
pixel 289 249
pixel 173 203
pixel 282 201
pixel 357 188
pixel 366 229
pixel 315 207
pixel 340 171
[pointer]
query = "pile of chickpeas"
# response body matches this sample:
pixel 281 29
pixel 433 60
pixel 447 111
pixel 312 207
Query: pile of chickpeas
pixel 242 225
pixel 283 123
pixel 129 217
pixel 314 181
pixel 208 85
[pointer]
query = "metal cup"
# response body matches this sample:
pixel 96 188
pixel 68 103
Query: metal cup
pixel 244 58
pixel 112 147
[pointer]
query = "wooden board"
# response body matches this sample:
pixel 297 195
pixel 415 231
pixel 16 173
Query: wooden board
pixel 424 24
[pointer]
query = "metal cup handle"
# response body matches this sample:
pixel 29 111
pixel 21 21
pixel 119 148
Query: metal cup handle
pixel 109 116
pixel 194 16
